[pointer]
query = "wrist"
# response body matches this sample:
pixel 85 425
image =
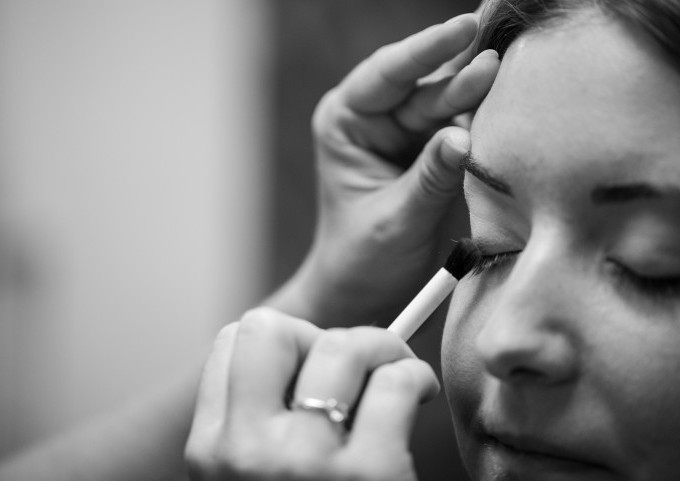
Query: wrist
pixel 320 294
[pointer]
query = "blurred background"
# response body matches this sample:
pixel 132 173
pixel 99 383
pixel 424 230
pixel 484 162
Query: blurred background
pixel 156 180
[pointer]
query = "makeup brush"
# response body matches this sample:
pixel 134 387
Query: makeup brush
pixel 464 255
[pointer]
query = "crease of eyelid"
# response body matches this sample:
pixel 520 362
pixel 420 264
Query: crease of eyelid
pixel 640 191
pixel 470 165
pixel 658 289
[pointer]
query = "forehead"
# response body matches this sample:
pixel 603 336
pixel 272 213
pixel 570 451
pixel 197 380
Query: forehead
pixel 583 94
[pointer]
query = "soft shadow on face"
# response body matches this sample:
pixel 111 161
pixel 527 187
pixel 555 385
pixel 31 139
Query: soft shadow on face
pixel 561 358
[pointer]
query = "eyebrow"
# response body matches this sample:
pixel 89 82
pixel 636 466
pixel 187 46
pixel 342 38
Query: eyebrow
pixel 600 195
pixel 617 194
pixel 470 165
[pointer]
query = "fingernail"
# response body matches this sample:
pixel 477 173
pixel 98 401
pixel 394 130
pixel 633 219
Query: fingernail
pixel 457 144
pixel 491 53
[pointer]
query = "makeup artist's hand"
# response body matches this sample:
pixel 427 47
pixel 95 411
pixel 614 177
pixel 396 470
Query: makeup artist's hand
pixel 388 173
pixel 243 428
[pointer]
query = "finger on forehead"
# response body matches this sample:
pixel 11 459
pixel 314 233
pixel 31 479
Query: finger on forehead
pixel 386 78
pixel 467 89
pixel 269 350
pixel 435 102
pixel 451 67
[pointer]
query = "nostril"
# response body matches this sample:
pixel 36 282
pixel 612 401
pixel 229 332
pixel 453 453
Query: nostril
pixel 517 354
pixel 525 374
pixel 513 366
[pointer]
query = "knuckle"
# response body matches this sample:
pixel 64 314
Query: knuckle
pixel 376 339
pixel 321 114
pixel 334 342
pixel 360 348
pixel 261 312
pixel 333 122
pixel 195 456
pixel 244 458
pixel 204 459
pixel 356 340
pixel 383 51
pixel 383 54
pixel 398 376
pixel 225 335
pixel 326 112
pixel 259 319
pixel 393 377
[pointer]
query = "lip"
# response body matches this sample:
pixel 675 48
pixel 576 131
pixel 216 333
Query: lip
pixel 524 453
pixel 530 446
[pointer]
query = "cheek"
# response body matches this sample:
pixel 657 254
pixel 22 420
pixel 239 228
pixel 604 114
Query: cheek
pixel 638 381
pixel 462 369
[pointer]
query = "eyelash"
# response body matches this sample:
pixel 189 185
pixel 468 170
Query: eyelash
pixel 487 262
pixel 662 288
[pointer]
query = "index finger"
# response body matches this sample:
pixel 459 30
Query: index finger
pixel 387 77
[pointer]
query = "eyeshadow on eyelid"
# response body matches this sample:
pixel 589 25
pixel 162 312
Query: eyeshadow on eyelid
pixel 665 251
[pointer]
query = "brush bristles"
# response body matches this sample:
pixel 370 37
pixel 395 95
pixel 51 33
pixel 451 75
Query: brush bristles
pixel 463 258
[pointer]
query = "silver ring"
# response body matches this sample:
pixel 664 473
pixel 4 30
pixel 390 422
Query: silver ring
pixel 335 411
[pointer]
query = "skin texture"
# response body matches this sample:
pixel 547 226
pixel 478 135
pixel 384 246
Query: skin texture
pixel 561 359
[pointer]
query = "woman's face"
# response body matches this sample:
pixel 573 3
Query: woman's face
pixel 561 356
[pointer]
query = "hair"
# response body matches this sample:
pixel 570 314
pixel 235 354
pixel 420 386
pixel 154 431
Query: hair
pixel 505 20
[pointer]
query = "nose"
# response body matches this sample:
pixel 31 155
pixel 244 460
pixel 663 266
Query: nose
pixel 530 335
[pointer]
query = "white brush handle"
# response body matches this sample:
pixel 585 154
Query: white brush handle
pixel 424 304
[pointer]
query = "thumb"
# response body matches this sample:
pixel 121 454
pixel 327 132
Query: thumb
pixel 436 177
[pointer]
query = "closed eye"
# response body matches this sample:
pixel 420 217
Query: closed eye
pixel 656 288
pixel 487 262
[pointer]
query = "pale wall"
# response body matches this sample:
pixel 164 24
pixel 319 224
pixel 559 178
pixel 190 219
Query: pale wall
pixel 132 195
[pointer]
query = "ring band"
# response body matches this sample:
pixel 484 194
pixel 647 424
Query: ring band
pixel 335 411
